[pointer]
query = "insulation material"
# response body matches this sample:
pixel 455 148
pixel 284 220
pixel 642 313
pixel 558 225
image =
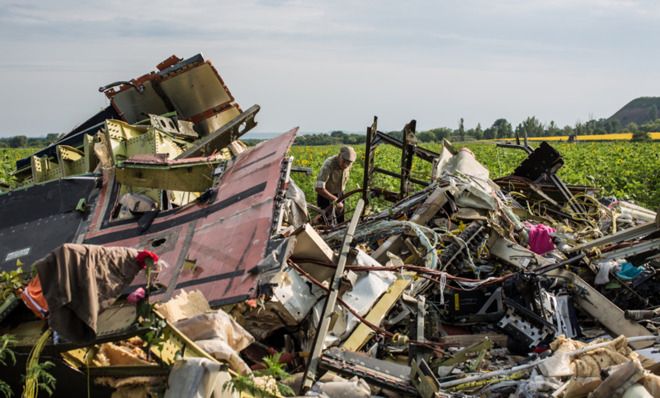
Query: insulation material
pixel 588 364
pixel 125 383
pixel 463 162
pixel 214 331
pixel 216 325
pixel 111 354
pixel 620 380
pixel 131 392
pixel 184 305
pixel 262 321
pixel 652 384
pixel 637 391
pixel 580 387
pixel 473 195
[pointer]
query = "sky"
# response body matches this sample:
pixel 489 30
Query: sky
pixel 333 65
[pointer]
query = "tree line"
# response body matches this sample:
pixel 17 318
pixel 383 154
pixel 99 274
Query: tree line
pixel 22 141
pixel 501 128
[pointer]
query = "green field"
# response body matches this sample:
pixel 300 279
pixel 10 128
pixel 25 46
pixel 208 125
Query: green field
pixel 626 170
pixel 8 159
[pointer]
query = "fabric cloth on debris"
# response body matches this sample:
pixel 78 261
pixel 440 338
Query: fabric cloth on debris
pixel 217 324
pixel 215 332
pixel 604 268
pixel 540 241
pixel 196 378
pixel 342 388
pixel 33 297
pixel 79 281
pixel 629 272
pixel 220 350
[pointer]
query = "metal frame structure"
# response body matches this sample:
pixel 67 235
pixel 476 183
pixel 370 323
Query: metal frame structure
pixel 409 150
pixel 548 174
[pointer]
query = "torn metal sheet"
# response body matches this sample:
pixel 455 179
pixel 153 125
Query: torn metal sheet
pixel 370 286
pixel 208 245
pixel 626 234
pixel 602 309
pixel 424 213
pixel 515 254
pixel 189 175
pixel 192 87
pixel 39 218
pixel 387 374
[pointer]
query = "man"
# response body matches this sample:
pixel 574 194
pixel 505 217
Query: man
pixel 332 179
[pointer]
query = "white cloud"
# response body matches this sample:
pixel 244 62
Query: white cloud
pixel 327 65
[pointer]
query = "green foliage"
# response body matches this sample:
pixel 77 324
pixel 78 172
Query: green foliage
pixel 7 358
pixel 40 372
pixel 501 128
pixel 641 136
pixel 21 141
pixel 274 369
pixel 622 169
pixel 334 138
pixel 632 127
pixel 11 281
pixel 156 327
pixel 651 126
pixel 5 389
pixel 532 126
pixel 8 159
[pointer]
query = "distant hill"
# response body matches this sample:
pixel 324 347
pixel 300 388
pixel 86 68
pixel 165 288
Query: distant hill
pixel 640 110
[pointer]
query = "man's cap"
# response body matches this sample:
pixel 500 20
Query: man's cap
pixel 348 153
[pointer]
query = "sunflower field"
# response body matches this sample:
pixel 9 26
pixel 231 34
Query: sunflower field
pixel 626 170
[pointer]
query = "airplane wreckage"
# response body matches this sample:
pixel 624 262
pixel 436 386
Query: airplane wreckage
pixel 149 252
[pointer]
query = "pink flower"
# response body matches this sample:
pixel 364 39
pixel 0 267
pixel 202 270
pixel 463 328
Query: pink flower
pixel 137 296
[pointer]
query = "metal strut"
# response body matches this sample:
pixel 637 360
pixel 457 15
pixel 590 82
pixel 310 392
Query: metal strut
pixel 330 302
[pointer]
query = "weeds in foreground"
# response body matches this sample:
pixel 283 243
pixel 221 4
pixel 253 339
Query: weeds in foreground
pixel 272 387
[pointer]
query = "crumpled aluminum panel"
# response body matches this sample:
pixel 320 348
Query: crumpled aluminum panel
pixel 210 246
